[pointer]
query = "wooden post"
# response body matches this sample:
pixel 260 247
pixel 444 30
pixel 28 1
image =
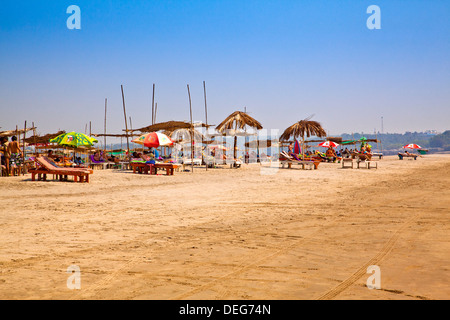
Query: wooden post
pixel 192 130
pixel 153 105
pixel 23 148
pixel 105 123
pixel 206 108
pixel 206 120
pixel 34 134
pixel 125 117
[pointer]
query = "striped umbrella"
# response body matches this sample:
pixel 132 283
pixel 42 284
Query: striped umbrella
pixel 153 140
pixel 328 144
pixel 412 146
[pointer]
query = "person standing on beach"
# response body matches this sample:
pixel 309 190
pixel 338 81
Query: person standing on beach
pixel 5 158
pixel 13 153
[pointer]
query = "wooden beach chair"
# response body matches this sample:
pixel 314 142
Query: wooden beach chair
pixel 169 167
pixel 139 167
pixel 288 160
pixel 44 168
pixel 405 155
pixel 346 161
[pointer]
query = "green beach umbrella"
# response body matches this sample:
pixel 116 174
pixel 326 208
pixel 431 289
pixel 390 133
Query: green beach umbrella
pixel 74 139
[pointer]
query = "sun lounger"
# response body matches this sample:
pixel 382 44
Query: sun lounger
pixel 347 161
pixel 45 168
pixel 169 167
pixel 367 164
pixel 405 155
pixel 285 158
pixel 140 167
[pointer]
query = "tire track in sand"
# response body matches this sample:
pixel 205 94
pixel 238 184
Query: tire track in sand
pixel 375 260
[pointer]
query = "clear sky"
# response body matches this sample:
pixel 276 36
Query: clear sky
pixel 283 60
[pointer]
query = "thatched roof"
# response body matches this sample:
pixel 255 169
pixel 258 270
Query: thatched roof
pixel 44 138
pixel 170 126
pixel 123 135
pixel 11 133
pixel 260 143
pixel 335 139
pixel 304 128
pixel 238 120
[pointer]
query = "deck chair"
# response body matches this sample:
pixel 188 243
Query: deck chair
pixel 45 167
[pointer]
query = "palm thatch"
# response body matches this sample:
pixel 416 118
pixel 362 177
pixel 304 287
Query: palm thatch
pixel 17 132
pixel 43 139
pixel 238 120
pixel 170 126
pixel 304 128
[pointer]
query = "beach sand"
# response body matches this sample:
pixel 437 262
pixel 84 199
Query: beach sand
pixel 248 233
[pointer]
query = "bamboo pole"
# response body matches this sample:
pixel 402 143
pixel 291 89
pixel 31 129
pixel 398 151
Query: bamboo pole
pixel 131 129
pixel 34 134
pixel 105 123
pixel 192 130
pixel 153 105
pixel 206 120
pixel 23 148
pixel 125 117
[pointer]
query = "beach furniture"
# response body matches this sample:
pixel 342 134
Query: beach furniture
pixel 151 168
pixel 169 167
pixel 99 164
pixel 365 163
pixel 377 154
pixel 347 161
pixel 405 155
pixel 140 167
pixel 46 167
pixel 288 160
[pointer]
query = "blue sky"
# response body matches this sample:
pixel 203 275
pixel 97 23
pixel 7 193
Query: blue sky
pixel 283 60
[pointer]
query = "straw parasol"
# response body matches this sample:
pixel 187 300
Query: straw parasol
pixel 238 120
pixel 304 128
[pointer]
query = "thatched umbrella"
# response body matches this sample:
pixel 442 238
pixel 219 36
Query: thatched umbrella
pixel 304 128
pixel 238 120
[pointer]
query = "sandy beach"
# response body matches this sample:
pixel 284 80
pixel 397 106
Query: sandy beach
pixel 248 233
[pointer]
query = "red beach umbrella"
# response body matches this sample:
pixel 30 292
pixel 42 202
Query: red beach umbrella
pixel 153 140
pixel 412 146
pixel 328 144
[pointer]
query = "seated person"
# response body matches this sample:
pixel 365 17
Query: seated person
pixel 53 156
pixel 331 154
pixel 98 157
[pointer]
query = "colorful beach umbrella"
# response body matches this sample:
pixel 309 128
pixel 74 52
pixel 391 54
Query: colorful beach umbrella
pixel 74 139
pixel 412 146
pixel 153 140
pixel 328 144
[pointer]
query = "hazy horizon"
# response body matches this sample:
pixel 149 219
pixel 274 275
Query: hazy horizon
pixel 281 60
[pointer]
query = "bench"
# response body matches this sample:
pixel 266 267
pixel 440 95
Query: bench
pixel 346 161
